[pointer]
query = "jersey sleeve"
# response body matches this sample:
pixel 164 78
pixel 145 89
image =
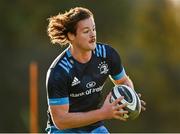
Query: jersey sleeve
pixel 56 86
pixel 116 68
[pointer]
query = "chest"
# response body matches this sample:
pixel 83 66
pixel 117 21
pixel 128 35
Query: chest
pixel 87 79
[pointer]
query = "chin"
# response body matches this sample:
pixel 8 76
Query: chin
pixel 90 46
pixel 93 46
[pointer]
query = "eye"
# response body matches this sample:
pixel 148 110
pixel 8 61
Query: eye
pixel 85 31
pixel 94 29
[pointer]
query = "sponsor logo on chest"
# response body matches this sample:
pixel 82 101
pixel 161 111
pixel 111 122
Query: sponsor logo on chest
pixel 91 84
pixel 87 92
pixel 75 81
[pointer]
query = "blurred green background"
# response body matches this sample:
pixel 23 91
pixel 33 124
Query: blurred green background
pixel 146 33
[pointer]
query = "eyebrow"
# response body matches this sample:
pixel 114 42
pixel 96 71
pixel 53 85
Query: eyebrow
pixel 88 27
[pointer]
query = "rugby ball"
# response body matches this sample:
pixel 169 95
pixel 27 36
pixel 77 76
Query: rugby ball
pixel 130 97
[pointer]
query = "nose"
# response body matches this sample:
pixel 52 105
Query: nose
pixel 92 33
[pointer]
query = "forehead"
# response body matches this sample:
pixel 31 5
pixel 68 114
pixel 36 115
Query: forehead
pixel 86 23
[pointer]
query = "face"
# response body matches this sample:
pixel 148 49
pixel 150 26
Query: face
pixel 85 38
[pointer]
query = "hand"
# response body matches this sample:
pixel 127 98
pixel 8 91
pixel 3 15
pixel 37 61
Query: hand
pixel 143 103
pixel 113 110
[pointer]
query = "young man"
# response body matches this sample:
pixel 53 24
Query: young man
pixel 76 77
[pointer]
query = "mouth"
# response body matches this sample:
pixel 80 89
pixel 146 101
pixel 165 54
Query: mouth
pixel 93 40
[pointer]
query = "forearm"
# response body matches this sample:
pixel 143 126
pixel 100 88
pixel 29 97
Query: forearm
pixel 79 119
pixel 64 120
pixel 129 82
pixel 125 80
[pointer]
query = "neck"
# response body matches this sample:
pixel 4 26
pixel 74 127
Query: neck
pixel 80 55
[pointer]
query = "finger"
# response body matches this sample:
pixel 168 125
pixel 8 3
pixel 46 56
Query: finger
pixel 120 107
pixel 115 108
pixel 143 103
pixel 120 118
pixel 143 108
pixel 120 112
pixel 118 100
pixel 139 95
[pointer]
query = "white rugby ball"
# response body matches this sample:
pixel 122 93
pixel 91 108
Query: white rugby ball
pixel 130 97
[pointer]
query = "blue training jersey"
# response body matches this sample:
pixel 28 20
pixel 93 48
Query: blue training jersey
pixel 80 84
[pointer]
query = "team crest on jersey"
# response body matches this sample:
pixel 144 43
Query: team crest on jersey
pixel 103 67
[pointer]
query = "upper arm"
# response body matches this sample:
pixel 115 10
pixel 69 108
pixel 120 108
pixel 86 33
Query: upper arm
pixel 57 94
pixel 117 70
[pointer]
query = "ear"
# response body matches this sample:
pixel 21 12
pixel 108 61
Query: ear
pixel 71 36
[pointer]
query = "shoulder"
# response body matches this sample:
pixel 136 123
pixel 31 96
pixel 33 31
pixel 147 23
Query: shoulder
pixel 61 66
pixel 60 57
pixel 104 50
